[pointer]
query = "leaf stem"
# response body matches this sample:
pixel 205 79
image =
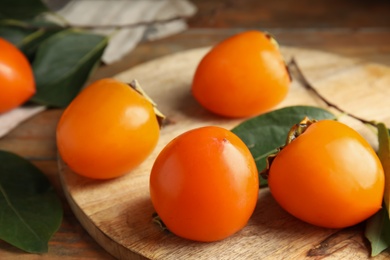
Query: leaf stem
pixel 59 17
pixel 297 72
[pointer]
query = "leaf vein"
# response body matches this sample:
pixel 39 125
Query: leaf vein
pixel 80 62
pixel 22 220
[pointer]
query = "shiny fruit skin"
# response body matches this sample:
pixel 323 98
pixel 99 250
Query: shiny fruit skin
pixel 204 184
pixel 328 176
pixel 107 130
pixel 242 76
pixel 17 82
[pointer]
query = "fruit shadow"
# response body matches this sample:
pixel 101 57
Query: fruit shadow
pixel 186 106
pixel 273 223
pixel 269 222
pixel 268 214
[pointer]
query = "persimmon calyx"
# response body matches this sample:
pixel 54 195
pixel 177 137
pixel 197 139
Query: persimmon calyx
pixel 299 129
pixel 158 221
pixel 137 87
pixel 294 132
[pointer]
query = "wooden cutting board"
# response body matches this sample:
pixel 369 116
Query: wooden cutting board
pixel 118 213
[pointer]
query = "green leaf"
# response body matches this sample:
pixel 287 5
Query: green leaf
pixel 63 64
pixel 384 157
pixel 13 34
pixel 27 36
pixel 378 226
pixel 378 231
pixel 21 9
pixel 31 211
pixel 267 132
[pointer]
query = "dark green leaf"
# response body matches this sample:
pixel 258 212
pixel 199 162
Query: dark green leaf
pixel 13 34
pixel 378 226
pixel 378 231
pixel 30 209
pixel 63 64
pixel 27 36
pixel 21 9
pixel 267 132
pixel 384 156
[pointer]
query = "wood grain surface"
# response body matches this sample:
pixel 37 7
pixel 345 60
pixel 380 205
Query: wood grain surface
pixel 118 213
pixel 348 28
pixel 294 14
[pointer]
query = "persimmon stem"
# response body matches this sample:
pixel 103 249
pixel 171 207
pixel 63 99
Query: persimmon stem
pixel 296 71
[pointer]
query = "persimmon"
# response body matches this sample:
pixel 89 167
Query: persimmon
pixel 107 130
pixel 17 83
pixel 204 184
pixel 242 76
pixel 328 176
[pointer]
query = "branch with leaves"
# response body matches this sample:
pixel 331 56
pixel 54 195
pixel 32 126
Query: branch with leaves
pixel 70 51
pixel 62 57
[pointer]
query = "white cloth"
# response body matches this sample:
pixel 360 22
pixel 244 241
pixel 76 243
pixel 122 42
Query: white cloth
pixel 14 117
pixel 123 39
pixel 127 12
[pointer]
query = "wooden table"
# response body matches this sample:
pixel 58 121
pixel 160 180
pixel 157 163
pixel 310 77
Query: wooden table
pixel 349 28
